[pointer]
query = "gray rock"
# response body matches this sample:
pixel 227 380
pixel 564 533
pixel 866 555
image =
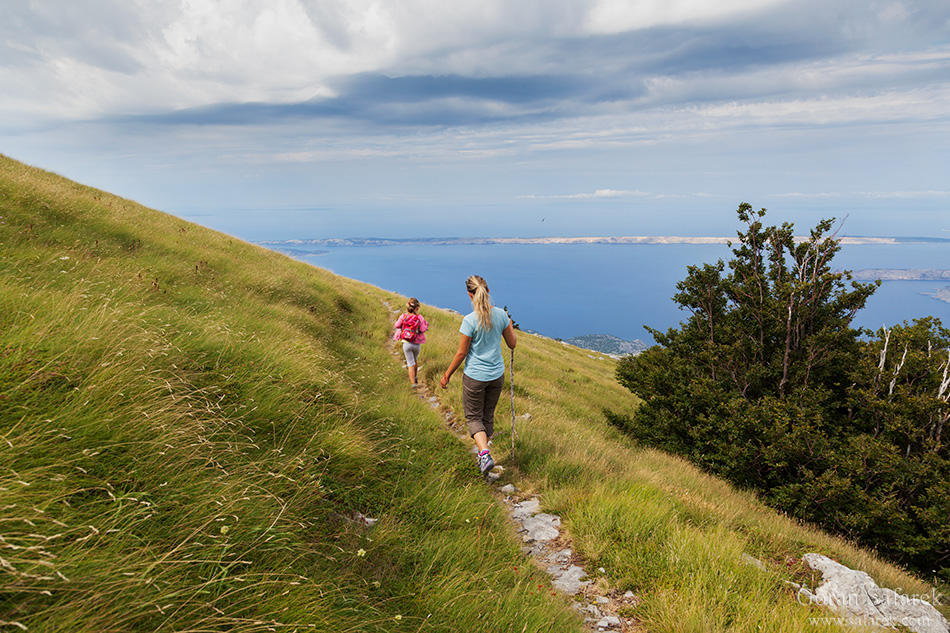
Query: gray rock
pixel 541 527
pixel 509 489
pixel 522 510
pixel 563 556
pixel 854 595
pixel 608 622
pixel 569 580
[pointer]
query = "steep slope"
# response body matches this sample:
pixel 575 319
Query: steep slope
pixel 193 430
pixel 198 434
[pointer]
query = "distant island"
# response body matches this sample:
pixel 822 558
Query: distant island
pixel 607 344
pixel 902 274
pixel 909 274
pixel 309 246
pixel 943 294
pixel 603 343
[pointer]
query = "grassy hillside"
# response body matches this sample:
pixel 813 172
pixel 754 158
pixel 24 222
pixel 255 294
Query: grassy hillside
pixel 192 430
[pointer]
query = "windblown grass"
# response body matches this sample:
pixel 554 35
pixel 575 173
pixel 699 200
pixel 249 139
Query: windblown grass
pixel 194 430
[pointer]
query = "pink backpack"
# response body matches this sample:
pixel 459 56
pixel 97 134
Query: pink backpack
pixel 411 324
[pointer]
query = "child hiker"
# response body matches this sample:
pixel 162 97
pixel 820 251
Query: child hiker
pixel 411 327
pixel 484 376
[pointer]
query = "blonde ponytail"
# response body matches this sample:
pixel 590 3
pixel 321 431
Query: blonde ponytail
pixel 481 301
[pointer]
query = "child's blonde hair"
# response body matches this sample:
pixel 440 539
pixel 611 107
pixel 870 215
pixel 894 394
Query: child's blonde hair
pixel 478 288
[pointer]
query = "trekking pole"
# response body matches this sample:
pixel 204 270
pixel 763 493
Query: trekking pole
pixel 513 432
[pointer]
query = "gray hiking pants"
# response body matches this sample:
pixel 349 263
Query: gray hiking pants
pixel 479 400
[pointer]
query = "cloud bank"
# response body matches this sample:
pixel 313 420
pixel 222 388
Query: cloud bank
pixel 465 62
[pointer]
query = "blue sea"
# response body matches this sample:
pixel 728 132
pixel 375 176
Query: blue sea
pixel 567 290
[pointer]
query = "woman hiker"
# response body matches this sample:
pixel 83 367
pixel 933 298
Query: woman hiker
pixel 484 376
pixel 411 327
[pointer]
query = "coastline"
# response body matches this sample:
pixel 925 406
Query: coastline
pixel 337 242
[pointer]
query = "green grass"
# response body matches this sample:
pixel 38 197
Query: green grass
pixel 190 425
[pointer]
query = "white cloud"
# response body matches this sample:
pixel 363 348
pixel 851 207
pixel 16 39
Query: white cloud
pixel 201 53
pixel 618 16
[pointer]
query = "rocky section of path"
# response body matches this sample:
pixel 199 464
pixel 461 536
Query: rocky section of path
pixel 603 609
pixel 545 542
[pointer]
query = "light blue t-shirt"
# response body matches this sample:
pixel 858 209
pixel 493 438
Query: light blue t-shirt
pixel 485 361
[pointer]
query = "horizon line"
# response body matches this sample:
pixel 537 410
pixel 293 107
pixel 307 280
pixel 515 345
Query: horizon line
pixel 642 239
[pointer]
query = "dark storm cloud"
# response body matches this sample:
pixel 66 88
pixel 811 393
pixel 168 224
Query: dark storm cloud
pixel 421 100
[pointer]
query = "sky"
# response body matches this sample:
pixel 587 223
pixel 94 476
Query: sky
pixel 304 119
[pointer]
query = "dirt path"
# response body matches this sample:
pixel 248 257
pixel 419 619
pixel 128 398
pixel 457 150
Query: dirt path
pixel 546 543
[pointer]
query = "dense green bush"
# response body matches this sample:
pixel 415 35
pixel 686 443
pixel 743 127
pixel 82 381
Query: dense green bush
pixel 767 384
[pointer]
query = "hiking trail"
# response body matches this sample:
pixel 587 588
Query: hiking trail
pixel 546 543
